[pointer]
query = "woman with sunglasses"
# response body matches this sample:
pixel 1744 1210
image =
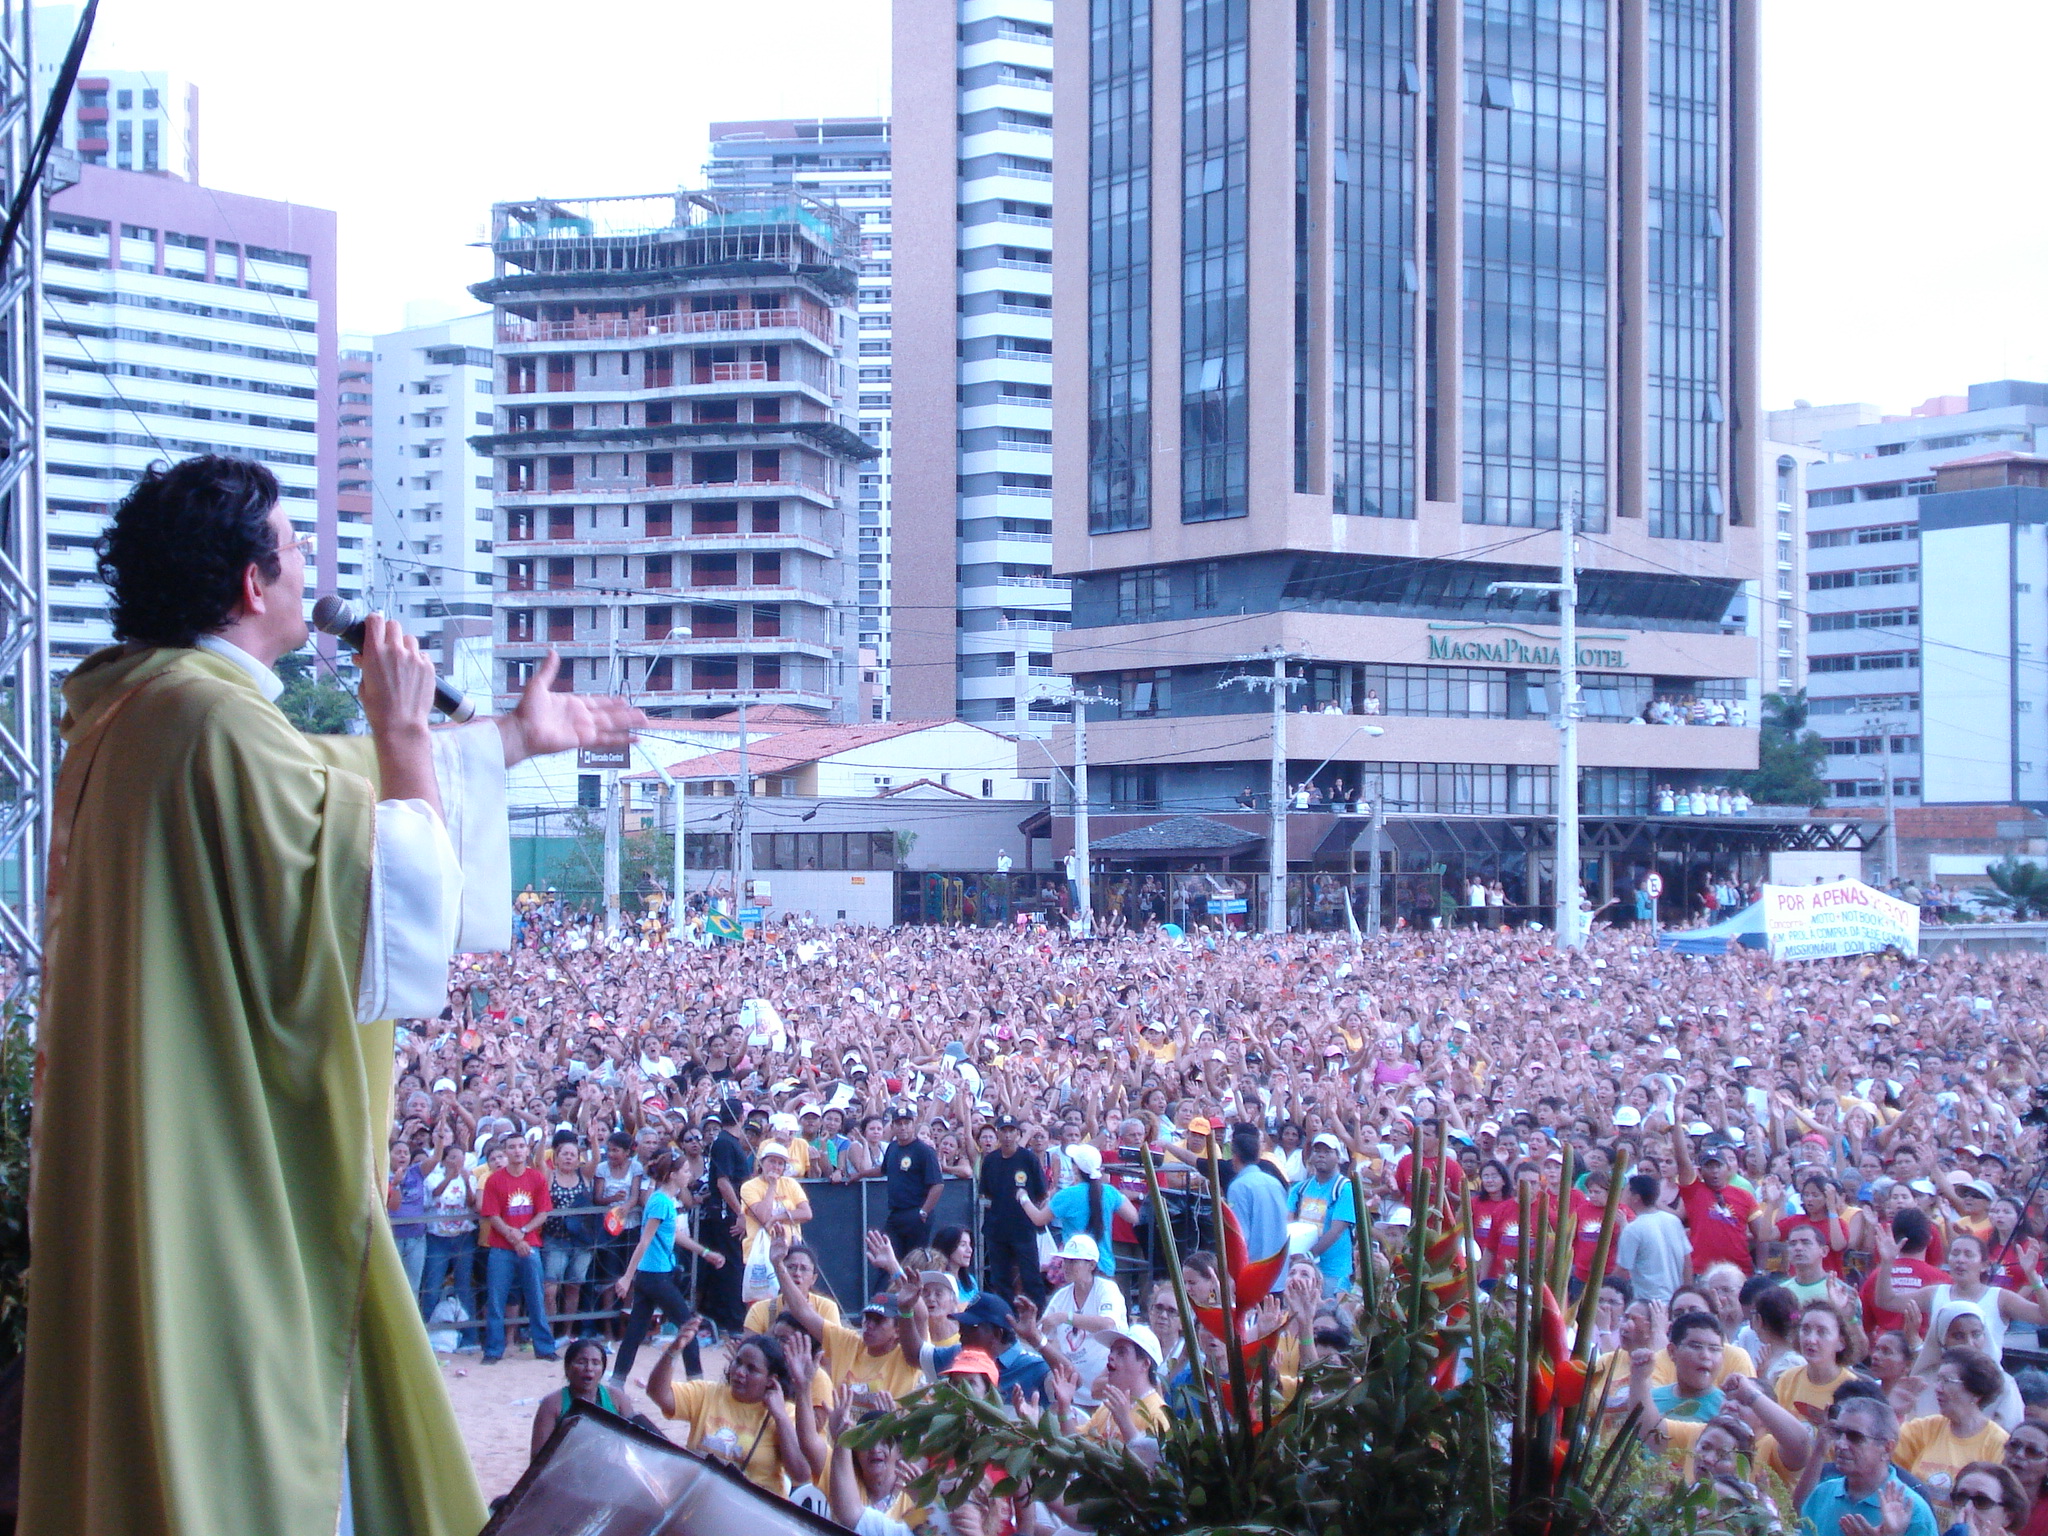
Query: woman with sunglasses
pixel 1987 1500
pixel 2026 1458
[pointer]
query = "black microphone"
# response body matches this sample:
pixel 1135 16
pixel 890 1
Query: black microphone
pixel 337 616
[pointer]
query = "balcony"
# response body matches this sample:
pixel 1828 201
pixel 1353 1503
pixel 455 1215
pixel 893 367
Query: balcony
pixel 788 482
pixel 513 331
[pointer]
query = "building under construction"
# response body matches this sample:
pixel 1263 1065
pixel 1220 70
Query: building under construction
pixel 672 448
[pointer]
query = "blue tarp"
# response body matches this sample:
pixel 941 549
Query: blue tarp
pixel 1745 928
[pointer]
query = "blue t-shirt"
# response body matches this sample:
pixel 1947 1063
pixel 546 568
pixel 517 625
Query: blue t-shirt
pixel 1323 1201
pixel 1672 1404
pixel 1260 1202
pixel 1821 1514
pixel 1069 1208
pixel 660 1257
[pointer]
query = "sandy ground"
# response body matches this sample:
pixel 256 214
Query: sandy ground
pixel 494 1406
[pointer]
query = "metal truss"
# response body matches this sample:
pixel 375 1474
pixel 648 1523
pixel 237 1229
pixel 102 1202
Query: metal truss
pixel 26 769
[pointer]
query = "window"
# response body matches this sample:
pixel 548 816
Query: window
pixel 768 570
pixel 711 570
pixel 1205 581
pixel 1883 576
pixel 519 626
pixel 715 673
pixel 1881 661
pixel 1880 618
pixel 561 624
pixel 1142 595
pixel 658 571
pixel 660 521
pixel 709 622
pixel 1145 693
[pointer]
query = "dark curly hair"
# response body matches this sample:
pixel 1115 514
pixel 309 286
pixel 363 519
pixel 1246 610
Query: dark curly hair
pixel 180 540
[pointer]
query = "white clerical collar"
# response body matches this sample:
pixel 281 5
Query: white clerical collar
pixel 265 679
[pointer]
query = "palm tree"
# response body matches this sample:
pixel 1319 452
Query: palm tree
pixel 2022 887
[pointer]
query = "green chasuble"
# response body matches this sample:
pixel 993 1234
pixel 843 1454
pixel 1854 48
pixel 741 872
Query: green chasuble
pixel 218 1312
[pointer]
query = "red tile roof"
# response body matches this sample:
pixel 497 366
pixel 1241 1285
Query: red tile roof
pixel 789 749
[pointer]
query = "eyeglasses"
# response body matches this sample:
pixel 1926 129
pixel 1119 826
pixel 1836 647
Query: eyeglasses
pixel 1979 1501
pixel 306 544
pixel 1853 1437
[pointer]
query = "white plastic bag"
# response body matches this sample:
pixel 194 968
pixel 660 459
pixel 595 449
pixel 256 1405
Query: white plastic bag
pixel 759 1282
pixel 446 1341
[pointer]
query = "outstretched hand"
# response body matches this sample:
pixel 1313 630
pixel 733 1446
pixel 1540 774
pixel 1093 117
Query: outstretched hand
pixel 546 721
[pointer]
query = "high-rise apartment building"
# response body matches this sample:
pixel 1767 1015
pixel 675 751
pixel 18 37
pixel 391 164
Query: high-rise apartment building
pixel 125 119
pixel 977 603
pixel 1927 601
pixel 182 320
pixel 351 428
pixel 136 120
pixel 844 161
pixel 1352 305
pixel 432 393
pixel 674 448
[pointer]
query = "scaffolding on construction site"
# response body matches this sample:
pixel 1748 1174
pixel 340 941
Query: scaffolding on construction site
pixel 664 232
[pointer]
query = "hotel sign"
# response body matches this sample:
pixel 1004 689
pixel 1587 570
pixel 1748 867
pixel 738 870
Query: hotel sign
pixel 1505 650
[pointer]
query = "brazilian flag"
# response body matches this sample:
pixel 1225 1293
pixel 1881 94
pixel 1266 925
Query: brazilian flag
pixel 719 926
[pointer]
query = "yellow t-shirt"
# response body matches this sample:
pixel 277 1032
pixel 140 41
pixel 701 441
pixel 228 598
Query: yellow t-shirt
pixel 847 1360
pixel 1149 1411
pixel 1735 1361
pixel 723 1426
pixel 787 1190
pixel 1809 1400
pixel 1930 1449
pixel 762 1314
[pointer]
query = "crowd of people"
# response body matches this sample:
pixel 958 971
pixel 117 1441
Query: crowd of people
pixel 1834 1241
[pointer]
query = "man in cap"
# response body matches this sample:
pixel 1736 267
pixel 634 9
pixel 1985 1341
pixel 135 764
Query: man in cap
pixel 987 1324
pixel 870 1357
pixel 724 1224
pixel 1011 1176
pixel 1717 1213
pixel 1326 1198
pixel 915 1181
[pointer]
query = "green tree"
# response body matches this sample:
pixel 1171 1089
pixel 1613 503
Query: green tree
pixel 1788 756
pixel 2022 887
pixel 320 707
pixel 17 1066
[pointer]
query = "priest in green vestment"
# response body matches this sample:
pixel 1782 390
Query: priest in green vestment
pixel 221 1337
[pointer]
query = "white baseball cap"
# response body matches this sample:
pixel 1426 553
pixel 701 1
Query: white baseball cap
pixel 1143 1337
pixel 1082 1246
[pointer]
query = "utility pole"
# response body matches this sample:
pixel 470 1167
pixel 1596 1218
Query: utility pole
pixel 1891 812
pixel 742 849
pixel 1276 788
pixel 1565 874
pixel 614 811
pixel 1084 885
pixel 1372 849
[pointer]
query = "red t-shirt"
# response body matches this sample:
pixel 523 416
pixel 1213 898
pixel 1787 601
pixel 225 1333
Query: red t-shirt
pixel 1718 1220
pixel 1445 1184
pixel 1490 1218
pixel 1588 1215
pixel 518 1199
pixel 1908 1273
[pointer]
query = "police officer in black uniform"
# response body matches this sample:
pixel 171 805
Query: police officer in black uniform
pixel 915 1180
pixel 1009 1242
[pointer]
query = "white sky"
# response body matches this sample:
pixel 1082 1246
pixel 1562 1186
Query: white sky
pixel 1906 230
